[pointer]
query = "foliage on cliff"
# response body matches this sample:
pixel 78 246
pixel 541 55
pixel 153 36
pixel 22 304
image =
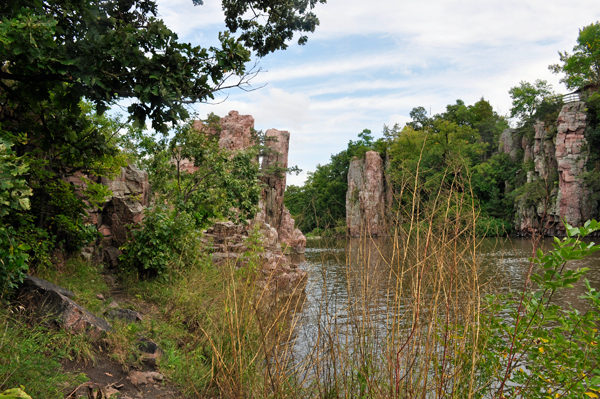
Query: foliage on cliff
pixel 195 182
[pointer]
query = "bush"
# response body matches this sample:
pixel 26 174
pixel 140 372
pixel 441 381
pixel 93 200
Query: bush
pixel 492 227
pixel 13 260
pixel 164 236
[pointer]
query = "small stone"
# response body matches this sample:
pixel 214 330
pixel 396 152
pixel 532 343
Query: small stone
pixel 100 297
pixel 130 316
pixel 113 305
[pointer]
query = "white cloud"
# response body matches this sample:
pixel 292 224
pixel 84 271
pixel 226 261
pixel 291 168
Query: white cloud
pixel 370 63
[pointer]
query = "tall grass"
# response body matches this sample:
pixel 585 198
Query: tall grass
pixel 411 326
pixel 410 316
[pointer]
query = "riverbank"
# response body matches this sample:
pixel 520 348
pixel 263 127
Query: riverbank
pixel 204 321
pixel 370 310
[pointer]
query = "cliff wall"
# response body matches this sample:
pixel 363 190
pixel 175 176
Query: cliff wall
pixel 559 158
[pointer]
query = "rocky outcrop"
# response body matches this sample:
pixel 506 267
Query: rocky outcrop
pixel 571 157
pixel 365 199
pixel 543 151
pixel 235 133
pixel 53 304
pixel 130 195
pixel 230 243
pixel 274 165
pixel 272 209
pixel 290 236
pixel 559 164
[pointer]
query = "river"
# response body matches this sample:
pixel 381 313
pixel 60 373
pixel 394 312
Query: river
pixel 357 292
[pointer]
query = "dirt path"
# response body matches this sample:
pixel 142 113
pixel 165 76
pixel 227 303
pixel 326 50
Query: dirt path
pixel 109 379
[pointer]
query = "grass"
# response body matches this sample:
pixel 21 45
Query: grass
pixel 31 356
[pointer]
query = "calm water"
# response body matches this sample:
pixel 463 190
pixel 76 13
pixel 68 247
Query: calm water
pixel 339 278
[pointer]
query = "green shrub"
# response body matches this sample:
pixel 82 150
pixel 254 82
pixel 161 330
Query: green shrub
pixel 13 260
pixel 530 194
pixel 536 347
pixel 164 236
pixel 492 227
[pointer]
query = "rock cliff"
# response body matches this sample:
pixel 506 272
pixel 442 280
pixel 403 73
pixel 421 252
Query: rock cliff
pixel 236 134
pixel 508 143
pixel 365 198
pixel 559 162
pixel 130 194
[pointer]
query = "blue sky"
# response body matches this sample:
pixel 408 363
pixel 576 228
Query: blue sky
pixel 370 62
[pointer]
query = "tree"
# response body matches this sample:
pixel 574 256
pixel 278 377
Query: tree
pixel 110 50
pixel 420 120
pixel 65 62
pixel 583 66
pixel 527 97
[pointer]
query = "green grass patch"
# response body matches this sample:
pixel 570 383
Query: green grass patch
pixel 30 356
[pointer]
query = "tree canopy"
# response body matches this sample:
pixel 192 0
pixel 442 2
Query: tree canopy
pixel 65 62
pixel 583 66
pixel 527 97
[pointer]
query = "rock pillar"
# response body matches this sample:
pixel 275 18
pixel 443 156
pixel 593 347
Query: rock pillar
pixel 571 157
pixel 365 199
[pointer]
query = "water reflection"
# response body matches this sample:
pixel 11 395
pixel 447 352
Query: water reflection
pixel 357 280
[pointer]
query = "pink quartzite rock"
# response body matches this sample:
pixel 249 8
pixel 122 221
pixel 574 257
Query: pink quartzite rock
pixel 571 156
pixel 275 180
pixel 230 245
pixel 130 194
pixel 290 236
pixel 236 134
pixel 365 199
pixel 236 131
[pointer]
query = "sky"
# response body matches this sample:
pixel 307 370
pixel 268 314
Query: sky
pixel 369 63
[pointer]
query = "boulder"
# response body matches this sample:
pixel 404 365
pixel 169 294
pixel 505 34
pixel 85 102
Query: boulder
pixel 130 195
pixel 151 352
pixel 276 273
pixel 53 304
pixel 127 315
pixel 290 236
pixel 365 198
